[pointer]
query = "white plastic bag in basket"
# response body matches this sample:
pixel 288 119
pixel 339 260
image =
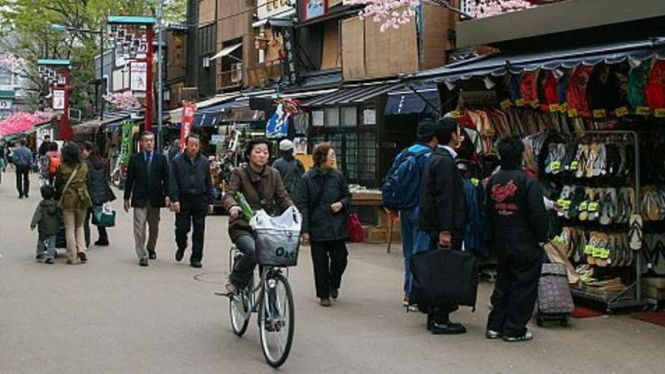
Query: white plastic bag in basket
pixel 290 220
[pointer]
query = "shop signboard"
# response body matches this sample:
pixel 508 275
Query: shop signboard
pixel 139 76
pixel 127 140
pixel 188 111
pixel 58 99
pixel 315 8
pixel 273 8
pixel 6 104
pixel 217 139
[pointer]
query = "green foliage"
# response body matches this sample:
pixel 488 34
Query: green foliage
pixel 27 32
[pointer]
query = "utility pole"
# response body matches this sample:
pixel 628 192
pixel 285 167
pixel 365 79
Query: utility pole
pixel 160 68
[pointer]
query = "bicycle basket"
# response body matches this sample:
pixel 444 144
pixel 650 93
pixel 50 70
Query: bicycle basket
pixel 277 238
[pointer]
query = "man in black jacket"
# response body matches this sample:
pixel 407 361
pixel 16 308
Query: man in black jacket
pixel 191 196
pixel 443 210
pixel 518 221
pixel 147 186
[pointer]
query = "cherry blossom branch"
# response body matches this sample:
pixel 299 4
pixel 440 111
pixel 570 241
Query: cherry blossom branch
pixel 123 101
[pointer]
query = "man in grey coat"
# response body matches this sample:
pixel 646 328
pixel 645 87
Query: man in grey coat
pixel 22 158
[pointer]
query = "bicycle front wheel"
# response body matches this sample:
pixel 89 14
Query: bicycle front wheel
pixel 276 320
pixel 240 308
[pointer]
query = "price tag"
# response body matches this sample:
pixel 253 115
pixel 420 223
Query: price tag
pixel 599 113
pixel 574 165
pixel 566 204
pixel 643 111
pixel 489 132
pixel 572 113
pixel 605 254
pixel 584 206
pixel 563 107
pixel 593 207
pixel 555 165
pixel 506 104
pixel 455 114
pixel 535 104
pixel 621 112
pixel 554 107
pixel 588 249
pixel 660 113
pixel 475 181
pixel 521 102
pixel 597 252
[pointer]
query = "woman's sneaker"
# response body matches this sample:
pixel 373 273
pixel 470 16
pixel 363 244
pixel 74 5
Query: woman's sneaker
pixel 491 334
pixel 231 288
pixel 514 339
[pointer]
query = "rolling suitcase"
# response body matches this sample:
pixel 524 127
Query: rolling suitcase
pixel 555 301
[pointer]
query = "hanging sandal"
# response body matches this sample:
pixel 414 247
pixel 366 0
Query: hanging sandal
pixel 636 233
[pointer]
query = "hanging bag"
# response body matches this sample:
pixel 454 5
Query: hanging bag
pixel 69 182
pixel 277 238
pixel 443 277
pixel 103 216
pixel 356 233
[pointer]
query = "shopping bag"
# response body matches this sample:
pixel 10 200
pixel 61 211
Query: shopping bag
pixel 356 233
pixel 443 277
pixel 103 216
pixel 277 238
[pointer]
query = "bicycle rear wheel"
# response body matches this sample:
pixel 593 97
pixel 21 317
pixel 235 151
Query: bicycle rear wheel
pixel 276 320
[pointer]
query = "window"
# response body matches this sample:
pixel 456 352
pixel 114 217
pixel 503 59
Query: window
pixel 369 116
pixel 332 117
pixel 317 118
pixel 5 77
pixel 350 116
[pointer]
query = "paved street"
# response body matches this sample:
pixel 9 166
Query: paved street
pixel 112 316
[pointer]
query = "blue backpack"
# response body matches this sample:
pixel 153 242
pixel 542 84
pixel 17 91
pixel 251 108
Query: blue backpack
pixel 401 188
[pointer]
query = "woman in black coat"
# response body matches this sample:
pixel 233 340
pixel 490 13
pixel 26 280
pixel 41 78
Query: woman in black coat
pixel 98 188
pixel 324 200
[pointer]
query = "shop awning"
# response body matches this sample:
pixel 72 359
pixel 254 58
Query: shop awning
pixel 176 114
pixel 406 101
pixel 351 96
pixel 226 51
pixel 501 64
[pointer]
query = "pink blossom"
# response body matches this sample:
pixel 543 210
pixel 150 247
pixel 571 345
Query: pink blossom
pixel 21 122
pixel 123 101
pixel 12 62
pixel 393 13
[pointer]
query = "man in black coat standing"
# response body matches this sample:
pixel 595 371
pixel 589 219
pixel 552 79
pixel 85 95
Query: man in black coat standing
pixel 191 194
pixel 519 222
pixel 147 186
pixel 443 210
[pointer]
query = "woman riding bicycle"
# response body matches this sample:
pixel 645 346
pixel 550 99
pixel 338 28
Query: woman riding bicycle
pixel 262 187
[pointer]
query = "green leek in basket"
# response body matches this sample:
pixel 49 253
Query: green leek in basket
pixel 244 205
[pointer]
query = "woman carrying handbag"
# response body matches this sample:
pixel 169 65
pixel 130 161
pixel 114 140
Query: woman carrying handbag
pixel 71 185
pixel 324 200
pixel 100 192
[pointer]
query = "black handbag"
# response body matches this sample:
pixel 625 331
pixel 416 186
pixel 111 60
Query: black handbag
pixel 61 238
pixel 443 277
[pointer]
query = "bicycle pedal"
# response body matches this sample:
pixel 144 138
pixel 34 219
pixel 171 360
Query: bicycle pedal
pixel 223 294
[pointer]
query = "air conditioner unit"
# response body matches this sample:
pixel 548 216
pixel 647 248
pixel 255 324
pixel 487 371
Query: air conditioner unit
pixel 236 72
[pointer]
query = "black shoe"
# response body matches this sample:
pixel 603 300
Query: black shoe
pixel 39 257
pixel 179 254
pixel 325 302
pixel 143 262
pixel 20 196
pixel 27 196
pixel 152 255
pixel 196 264
pixel 448 329
pixel 49 261
pixel 82 257
pixel 334 293
pixel 102 243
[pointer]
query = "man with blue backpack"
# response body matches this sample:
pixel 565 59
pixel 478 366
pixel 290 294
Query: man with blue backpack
pixel 401 193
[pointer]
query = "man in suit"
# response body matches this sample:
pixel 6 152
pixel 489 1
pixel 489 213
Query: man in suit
pixel 147 186
pixel 443 210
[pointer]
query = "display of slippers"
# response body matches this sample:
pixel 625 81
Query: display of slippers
pixel 635 234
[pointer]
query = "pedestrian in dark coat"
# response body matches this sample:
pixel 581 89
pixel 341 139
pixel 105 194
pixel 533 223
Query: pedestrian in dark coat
pixel 191 199
pixel 146 191
pixel 99 189
pixel 444 210
pixel 324 201
pixel 518 220
pixel 47 219
pixel 290 168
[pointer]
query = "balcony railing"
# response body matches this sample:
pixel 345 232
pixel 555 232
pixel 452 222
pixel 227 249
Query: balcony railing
pixel 230 79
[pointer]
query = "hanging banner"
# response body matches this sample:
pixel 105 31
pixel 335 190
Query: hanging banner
pixel 139 76
pixel 58 99
pixel 315 8
pixel 278 124
pixel 188 110
pixel 127 140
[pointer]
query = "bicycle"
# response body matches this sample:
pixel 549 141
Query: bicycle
pixel 272 298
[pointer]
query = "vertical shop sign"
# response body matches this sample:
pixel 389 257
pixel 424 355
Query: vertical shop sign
pixel 58 99
pixel 139 76
pixel 126 145
pixel 188 110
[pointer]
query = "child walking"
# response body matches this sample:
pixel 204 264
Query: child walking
pixel 47 218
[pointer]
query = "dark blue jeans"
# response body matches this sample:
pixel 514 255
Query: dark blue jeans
pixel 413 241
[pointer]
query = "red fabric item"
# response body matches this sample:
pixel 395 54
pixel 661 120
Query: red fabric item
pixel 529 86
pixel 656 86
pixel 585 312
pixel 657 318
pixel 356 233
pixel 551 90
pixel 466 121
pixel 577 98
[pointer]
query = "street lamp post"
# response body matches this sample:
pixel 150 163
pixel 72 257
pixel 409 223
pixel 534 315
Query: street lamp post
pixel 56 27
pixel 160 74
